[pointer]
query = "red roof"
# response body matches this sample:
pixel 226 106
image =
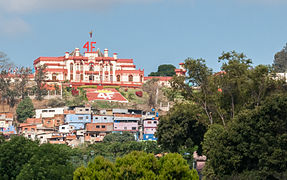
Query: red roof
pixel 125 60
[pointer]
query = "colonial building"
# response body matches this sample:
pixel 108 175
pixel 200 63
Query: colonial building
pixel 92 68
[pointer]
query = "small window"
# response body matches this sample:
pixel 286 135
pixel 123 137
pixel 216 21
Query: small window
pixel 44 110
pixel 80 118
pixel 105 118
pixel 26 129
pixel 81 110
pixel 58 121
pixel 33 129
pixel 155 122
pixel 41 137
pixel 97 126
pixel 103 126
pixel 48 122
pixel 51 110
pixel 134 128
pixel 149 122
pixel 87 109
pixel 125 128
pixel 63 127
pixel 96 117
pixel 87 117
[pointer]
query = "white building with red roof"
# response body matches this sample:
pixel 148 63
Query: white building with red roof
pixel 91 68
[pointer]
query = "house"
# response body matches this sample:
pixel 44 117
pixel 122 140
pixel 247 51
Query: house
pixel 78 120
pixel 6 124
pixel 48 113
pixel 52 122
pixel 66 128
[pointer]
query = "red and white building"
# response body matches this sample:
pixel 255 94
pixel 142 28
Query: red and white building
pixel 92 68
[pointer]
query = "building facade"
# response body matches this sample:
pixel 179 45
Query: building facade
pixel 92 68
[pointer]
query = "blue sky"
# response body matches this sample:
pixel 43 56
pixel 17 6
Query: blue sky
pixel 152 32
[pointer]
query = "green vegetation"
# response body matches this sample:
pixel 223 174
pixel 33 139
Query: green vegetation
pixel 25 109
pixel 164 70
pixel 40 77
pixel 243 109
pixel 138 165
pixel 280 60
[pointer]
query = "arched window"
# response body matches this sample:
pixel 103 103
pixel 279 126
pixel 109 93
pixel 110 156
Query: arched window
pixel 91 77
pixel 71 76
pixel 141 80
pixel 91 67
pixel 82 77
pixel 131 78
pixel 71 67
pixel 54 77
pixel 118 78
pixel 81 66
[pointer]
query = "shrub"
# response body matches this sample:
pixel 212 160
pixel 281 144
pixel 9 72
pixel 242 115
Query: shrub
pixel 139 93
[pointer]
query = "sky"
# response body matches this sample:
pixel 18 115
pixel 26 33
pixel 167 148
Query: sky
pixel 152 32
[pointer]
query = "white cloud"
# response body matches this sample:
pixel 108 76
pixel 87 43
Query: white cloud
pixel 22 6
pixel 13 26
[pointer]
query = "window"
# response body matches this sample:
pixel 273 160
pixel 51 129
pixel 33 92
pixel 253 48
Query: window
pixel 97 126
pixel 87 109
pixel 26 129
pixel 71 67
pixel 63 127
pixel 80 118
pixel 155 122
pixel 41 137
pixel 48 122
pixel 87 117
pixel 58 121
pixel 103 126
pixel 118 78
pixel 96 118
pixel 71 76
pixel 51 110
pixel 130 78
pixel 91 77
pixel 44 111
pixel 81 110
pixel 141 78
pixel 54 77
pixel 134 128
pixel 33 129
pixel 149 122
pixel 125 128
pixel 105 118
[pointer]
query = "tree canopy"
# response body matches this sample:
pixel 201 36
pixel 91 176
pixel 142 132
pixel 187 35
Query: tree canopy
pixel 25 109
pixel 280 60
pixel 164 70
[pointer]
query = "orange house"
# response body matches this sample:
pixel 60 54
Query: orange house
pixel 55 121
pixel 99 127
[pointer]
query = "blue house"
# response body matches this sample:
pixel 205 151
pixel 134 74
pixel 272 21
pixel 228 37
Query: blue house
pixel 78 120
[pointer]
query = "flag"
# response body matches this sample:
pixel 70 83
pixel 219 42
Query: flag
pixel 91 34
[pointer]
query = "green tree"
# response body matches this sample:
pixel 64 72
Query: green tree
pixel 254 141
pixel 280 60
pixel 14 155
pixel 25 109
pixel 173 166
pixel 181 127
pixel 22 83
pixel 116 137
pixel 164 70
pixel 40 78
pixel 50 161
pixel 100 168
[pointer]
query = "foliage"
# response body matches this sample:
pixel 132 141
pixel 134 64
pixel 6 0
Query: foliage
pixel 14 155
pixel 181 127
pixel 21 84
pixel 137 165
pixel 48 162
pixel 25 109
pixel 222 95
pixel 116 137
pixel 152 88
pixel 280 60
pixel 164 70
pixel 75 92
pixel 40 77
pixel 254 141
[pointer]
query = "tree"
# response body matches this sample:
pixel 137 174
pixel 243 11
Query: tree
pixel 164 70
pixel 25 109
pixel 50 161
pixel 116 137
pixel 14 155
pixel 138 165
pixel 255 141
pixel 40 78
pixel 182 127
pixel 8 89
pixel 154 91
pixel 5 63
pixel 22 83
pixel 280 60
pixel 100 168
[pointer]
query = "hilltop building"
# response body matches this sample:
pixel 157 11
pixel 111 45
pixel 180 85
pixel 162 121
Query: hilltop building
pixel 92 68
